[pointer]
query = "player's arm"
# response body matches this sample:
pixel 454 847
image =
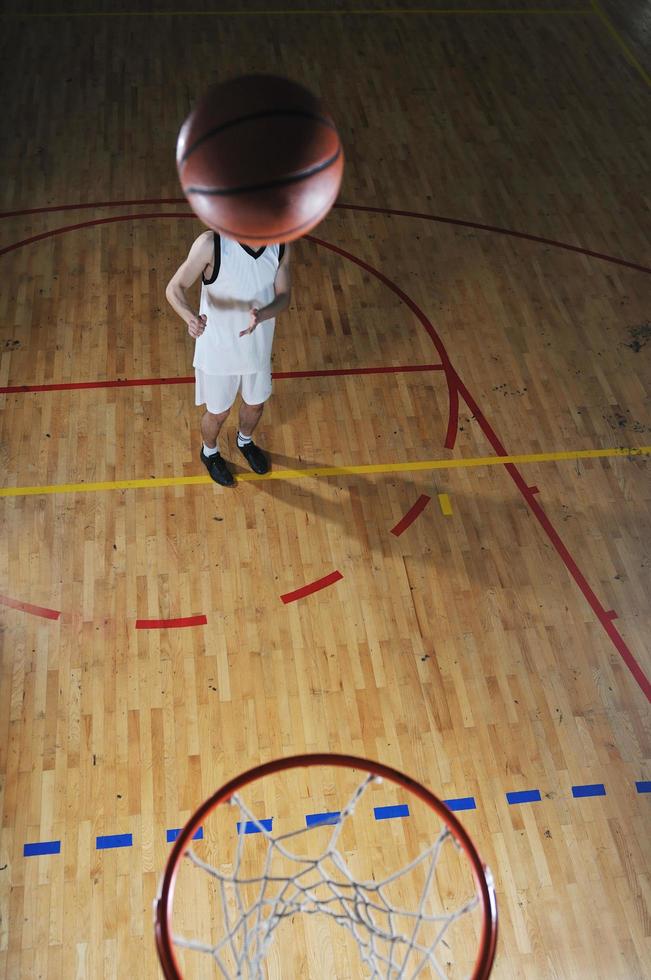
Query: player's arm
pixel 282 290
pixel 199 256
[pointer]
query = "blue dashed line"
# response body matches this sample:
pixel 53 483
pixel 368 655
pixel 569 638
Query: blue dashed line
pixel 42 847
pixel 461 803
pixel 312 819
pixel 524 796
pixel 113 840
pixel 589 789
pixel 173 834
pixel 254 826
pixel 388 812
pixel 36 848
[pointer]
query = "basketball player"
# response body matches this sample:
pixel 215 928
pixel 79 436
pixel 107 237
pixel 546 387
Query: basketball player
pixel 243 289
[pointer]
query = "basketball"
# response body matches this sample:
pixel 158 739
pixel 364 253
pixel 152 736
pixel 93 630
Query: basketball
pixel 260 160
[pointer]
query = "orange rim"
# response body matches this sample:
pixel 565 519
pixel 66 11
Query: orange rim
pixel 481 874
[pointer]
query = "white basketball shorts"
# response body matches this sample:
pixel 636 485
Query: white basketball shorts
pixel 218 391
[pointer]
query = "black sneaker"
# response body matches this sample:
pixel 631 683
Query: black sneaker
pixel 218 469
pixel 255 457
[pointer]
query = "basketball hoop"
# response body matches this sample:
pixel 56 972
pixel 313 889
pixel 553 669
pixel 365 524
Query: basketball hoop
pixel 435 908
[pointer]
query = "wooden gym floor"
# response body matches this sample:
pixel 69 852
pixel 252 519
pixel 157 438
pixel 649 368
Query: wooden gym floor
pixel 482 291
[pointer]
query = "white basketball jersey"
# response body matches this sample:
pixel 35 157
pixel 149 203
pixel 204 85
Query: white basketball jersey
pixel 243 278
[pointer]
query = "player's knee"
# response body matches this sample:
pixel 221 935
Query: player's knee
pixel 218 416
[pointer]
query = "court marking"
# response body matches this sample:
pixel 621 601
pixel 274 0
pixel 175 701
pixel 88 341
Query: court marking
pixel 588 789
pixel 276 375
pixel 495 230
pixel 311 587
pixel 619 40
pixel 391 812
pixel 446 506
pixel 399 810
pixel 423 215
pixel 27 607
pixel 362 469
pixel 523 796
pixel 107 841
pixel 321 819
pixel 38 848
pixel 411 515
pixel 171 835
pixel 456 387
pixel 254 826
pixel 461 803
pixel 164 624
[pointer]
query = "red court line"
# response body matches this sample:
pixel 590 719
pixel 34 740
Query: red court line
pixel 76 385
pixel 189 379
pixel 165 624
pixel 565 556
pixel 495 230
pixel 90 224
pixel 321 583
pixel 411 515
pixel 341 372
pixel 446 366
pixel 93 204
pixel 27 607
pixel 441 219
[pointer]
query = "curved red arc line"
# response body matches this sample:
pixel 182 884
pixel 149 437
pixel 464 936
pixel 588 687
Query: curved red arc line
pixel 441 219
pixel 316 586
pixel 496 230
pixel 50 209
pixel 163 624
pixel 453 412
pixel 411 515
pixel 89 224
pixel 450 374
pixel 28 607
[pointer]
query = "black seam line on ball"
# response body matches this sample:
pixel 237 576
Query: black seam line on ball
pixel 230 233
pixel 281 182
pixel 267 114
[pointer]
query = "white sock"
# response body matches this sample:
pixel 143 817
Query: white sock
pixel 243 440
pixel 210 452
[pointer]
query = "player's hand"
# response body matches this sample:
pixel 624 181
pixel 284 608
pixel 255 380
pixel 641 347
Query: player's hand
pixel 197 325
pixel 253 322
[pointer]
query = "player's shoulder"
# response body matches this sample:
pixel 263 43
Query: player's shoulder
pixel 204 242
pixel 201 250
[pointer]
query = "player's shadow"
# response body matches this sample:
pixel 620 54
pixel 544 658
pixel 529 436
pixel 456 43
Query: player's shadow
pixel 306 494
pixel 327 498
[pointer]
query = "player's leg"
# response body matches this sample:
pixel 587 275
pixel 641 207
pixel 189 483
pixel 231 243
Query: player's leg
pixel 211 426
pixel 217 393
pixel 250 415
pixel 256 389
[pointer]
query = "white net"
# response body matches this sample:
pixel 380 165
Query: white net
pixel 400 923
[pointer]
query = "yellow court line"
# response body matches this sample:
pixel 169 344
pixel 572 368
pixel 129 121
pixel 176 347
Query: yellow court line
pixel 429 11
pixel 630 57
pixel 446 506
pixel 410 467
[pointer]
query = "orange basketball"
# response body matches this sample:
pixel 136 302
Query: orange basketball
pixel 260 160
